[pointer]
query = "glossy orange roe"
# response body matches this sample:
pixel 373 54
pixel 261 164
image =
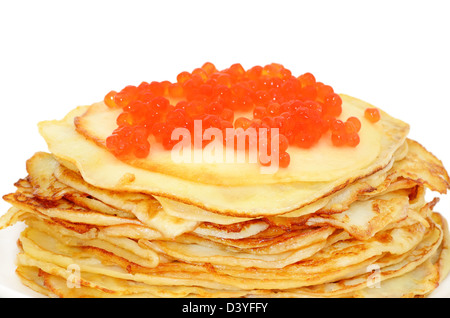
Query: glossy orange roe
pixel 303 109
pixel 372 114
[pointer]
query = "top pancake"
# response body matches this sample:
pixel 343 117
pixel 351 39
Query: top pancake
pixel 245 199
pixel 321 163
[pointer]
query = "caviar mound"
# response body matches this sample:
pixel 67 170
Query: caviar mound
pixel 302 109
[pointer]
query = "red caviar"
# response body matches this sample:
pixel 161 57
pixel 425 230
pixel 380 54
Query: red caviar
pixel 109 99
pixel 302 109
pixel 356 123
pixel 372 114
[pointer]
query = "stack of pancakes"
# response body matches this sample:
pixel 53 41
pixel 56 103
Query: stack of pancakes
pixel 337 222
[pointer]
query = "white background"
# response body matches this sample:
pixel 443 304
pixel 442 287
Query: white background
pixel 56 55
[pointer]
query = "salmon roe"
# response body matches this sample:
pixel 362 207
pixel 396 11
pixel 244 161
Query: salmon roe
pixel 303 109
pixel 372 114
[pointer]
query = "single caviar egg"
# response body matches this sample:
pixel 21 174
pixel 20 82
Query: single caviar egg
pixel 337 125
pixel 209 68
pixel 350 127
pixel 372 114
pixel 307 79
pixel 109 99
pixel 175 90
pixel 356 123
pixel 259 112
pixel 242 122
pixel 183 77
pixel 201 73
pixel 353 139
pixel 338 139
pixel 236 71
pixel 126 96
pixel 284 159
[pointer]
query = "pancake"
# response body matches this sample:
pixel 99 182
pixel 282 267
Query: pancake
pixel 239 200
pixel 321 163
pixel 40 246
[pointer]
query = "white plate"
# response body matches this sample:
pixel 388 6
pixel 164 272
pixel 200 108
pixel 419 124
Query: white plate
pixel 11 287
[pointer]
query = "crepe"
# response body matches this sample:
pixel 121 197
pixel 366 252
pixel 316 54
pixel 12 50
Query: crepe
pixel 101 169
pixel 307 165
